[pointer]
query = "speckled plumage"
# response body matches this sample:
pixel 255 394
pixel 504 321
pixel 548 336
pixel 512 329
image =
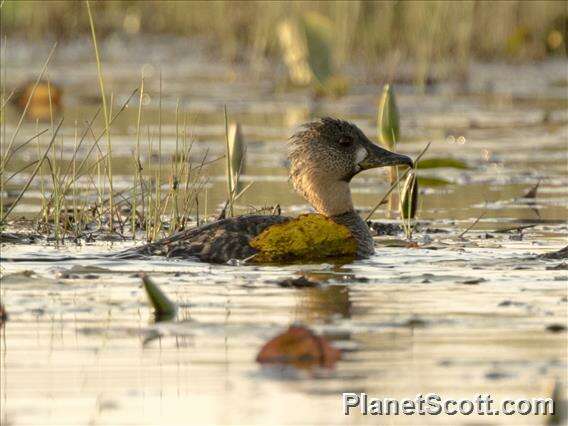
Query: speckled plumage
pixel 324 157
pixel 216 242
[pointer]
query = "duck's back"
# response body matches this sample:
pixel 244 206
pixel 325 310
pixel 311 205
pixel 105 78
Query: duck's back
pixel 216 242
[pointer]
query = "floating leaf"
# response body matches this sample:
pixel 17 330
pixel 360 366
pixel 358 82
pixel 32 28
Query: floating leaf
pixel 441 162
pixel 309 237
pixel 164 308
pixel 409 196
pixel 430 181
pixel 300 347
pixel 388 122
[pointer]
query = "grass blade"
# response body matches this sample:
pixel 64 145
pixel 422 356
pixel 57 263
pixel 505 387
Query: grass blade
pixel 28 183
pixel 395 183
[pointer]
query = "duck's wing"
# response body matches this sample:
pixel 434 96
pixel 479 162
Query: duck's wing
pixel 216 242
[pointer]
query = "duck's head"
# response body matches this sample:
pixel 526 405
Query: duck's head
pixel 324 157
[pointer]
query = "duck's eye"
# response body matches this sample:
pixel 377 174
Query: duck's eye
pixel 345 140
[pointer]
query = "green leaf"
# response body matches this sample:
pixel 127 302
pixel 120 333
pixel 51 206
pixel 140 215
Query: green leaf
pixel 388 122
pixel 430 181
pixel 318 30
pixel 409 197
pixel 440 162
pixel 306 45
pixel 164 308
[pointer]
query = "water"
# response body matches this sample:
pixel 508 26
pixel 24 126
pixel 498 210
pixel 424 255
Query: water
pixel 457 316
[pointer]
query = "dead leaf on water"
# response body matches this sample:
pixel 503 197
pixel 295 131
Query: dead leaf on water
pixel 300 347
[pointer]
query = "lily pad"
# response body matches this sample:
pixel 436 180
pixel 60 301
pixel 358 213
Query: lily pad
pixel 442 162
pixel 430 181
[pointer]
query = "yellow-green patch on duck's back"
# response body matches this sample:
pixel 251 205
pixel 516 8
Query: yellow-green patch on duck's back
pixel 309 237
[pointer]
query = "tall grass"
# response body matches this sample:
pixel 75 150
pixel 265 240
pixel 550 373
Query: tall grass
pixel 105 112
pixel 428 31
pixel 156 194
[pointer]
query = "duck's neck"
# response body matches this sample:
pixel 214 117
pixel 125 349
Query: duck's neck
pixel 334 201
pixel 359 230
pixel 327 199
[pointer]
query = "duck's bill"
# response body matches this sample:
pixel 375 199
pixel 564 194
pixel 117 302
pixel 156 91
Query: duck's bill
pixel 379 157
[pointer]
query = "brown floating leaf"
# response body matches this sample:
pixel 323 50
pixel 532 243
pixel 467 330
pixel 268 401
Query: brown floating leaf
pixel 300 347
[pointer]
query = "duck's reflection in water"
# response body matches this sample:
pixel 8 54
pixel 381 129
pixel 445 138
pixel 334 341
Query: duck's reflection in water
pixel 323 304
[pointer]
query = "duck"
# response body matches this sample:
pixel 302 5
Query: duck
pixel 324 156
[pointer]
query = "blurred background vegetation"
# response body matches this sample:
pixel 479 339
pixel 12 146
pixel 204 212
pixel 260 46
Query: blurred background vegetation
pixel 364 31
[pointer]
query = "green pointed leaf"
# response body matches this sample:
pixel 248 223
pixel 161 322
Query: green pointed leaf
pixel 164 308
pixel 409 197
pixel 237 153
pixel 440 162
pixel 388 119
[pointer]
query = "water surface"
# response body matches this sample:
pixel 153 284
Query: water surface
pixel 456 316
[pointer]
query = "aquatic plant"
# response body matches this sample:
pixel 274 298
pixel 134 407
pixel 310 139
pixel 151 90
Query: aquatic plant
pixel 395 183
pixel 388 121
pixel 409 196
pixel 164 308
pixel 306 42
pixel 237 154
pixel 66 210
pixel 105 113
pixel 388 125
